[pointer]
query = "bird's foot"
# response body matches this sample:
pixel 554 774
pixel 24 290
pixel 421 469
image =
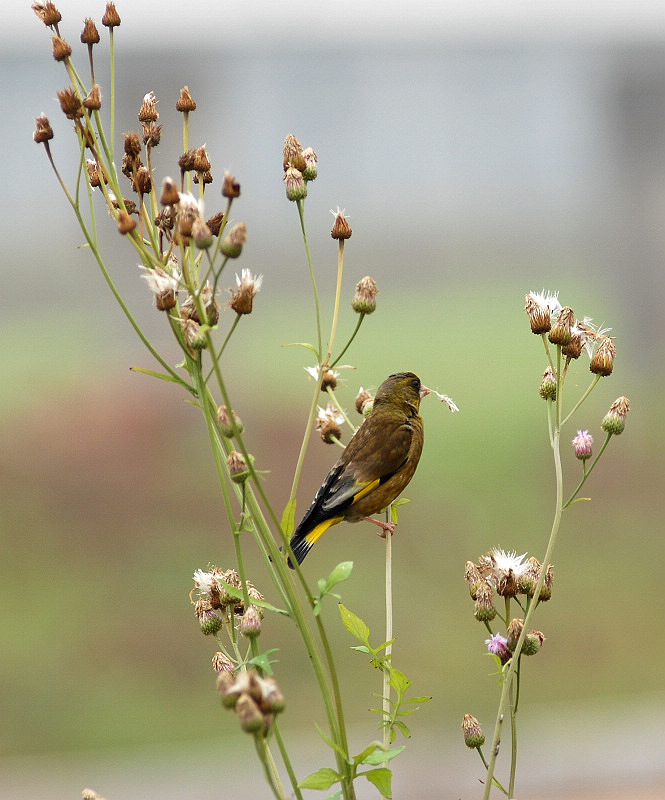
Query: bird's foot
pixel 386 527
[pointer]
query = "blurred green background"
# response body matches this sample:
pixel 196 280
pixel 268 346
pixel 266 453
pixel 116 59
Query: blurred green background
pixel 473 169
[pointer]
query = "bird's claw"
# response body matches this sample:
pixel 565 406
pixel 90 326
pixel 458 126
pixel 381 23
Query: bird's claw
pixel 386 527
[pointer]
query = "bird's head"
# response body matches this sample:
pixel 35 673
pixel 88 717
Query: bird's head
pixel 403 389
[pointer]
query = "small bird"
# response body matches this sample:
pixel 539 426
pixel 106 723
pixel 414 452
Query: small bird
pixel 376 466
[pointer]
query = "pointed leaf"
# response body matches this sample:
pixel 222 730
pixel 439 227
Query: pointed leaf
pixel 364 754
pixel 334 795
pixel 323 778
pixel 289 517
pixel 354 625
pixel 382 779
pixel 380 756
pixel 342 572
pixel 160 375
pixel 406 733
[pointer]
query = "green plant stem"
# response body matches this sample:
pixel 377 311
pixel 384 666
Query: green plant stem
pixel 587 472
pixel 269 767
pixel 361 317
pixel 389 635
pixel 595 380
pixel 513 740
pixel 305 441
pixel 338 293
pixel 317 305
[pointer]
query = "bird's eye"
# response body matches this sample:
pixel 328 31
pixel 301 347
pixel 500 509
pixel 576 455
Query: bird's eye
pixel 416 384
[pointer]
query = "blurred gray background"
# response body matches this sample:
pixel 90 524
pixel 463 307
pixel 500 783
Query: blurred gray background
pixel 480 150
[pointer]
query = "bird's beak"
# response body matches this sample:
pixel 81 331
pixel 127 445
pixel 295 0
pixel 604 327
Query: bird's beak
pixel 424 391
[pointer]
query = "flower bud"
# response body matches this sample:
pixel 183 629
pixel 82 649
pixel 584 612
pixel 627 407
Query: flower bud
pixel 250 622
pixel 225 424
pixel 364 300
pixel 242 300
pixel 201 234
pixel 296 188
pixel 230 187
pixel 237 465
pixel 513 632
pixel 70 103
pixel 93 100
pixel 43 130
pixel 148 112
pixel 272 700
pixel 615 420
pixel 170 194
pixel 208 618
pixel 249 714
pixel 125 223
pixel 90 34
pixel 293 155
pixel 215 223
pixel 583 444
pixel 473 577
pixel 529 578
pixel 533 641
pixel 547 388
pixel 231 244
pixel 561 332
pixel 602 362
pixel 61 50
pixel 311 170
pixel 47 13
pixel 194 337
pixel 472 732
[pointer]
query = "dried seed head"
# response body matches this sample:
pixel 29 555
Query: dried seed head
pixel 578 338
pixel 163 286
pixel 247 286
pixel 43 130
pixel 194 337
pixel 472 732
pixel 148 112
pixel 341 228
pixel 203 177
pixel 602 362
pixel 215 223
pixel 70 103
pixel 363 400
pixel 90 34
pixel 93 102
pixel 473 577
pixel 329 380
pixel 546 591
pixel 95 177
pixel 61 50
pixel 296 188
pixel 186 161
pixel 185 102
pixel 231 244
pixel 188 209
pixel 125 223
pixel 47 13
pixel 583 445
pixel 328 422
pixel 364 300
pixel 111 18
pixel 142 181
pixel 614 421
pixel 132 144
pixel 562 331
pixel 152 135
pixel 547 388
pixel 230 187
pixel 189 309
pixel 222 663
pixel 90 794
pixel 484 610
pixel 170 194
pixel 293 154
pixel 539 307
pixel 272 700
pixel 201 161
pixel 529 578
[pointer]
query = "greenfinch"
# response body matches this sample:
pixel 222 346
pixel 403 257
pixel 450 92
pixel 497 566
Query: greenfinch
pixel 376 465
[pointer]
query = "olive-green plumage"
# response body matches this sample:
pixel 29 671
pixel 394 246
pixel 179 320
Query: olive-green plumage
pixel 376 465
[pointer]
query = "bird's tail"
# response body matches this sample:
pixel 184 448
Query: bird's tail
pixel 302 540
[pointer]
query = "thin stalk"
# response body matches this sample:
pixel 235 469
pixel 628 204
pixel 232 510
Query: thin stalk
pixel 595 380
pixel 338 292
pixel 389 634
pixel 301 214
pixel 361 317
pixel 269 766
pixel 587 472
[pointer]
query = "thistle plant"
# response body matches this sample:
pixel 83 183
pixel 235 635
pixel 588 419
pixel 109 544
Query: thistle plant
pixel 508 588
pixel 184 254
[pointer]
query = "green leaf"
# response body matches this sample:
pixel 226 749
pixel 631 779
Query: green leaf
pixel 289 517
pixel 323 778
pixel 361 648
pixel 423 699
pixel 341 572
pixel 333 745
pixel 306 345
pixel 380 756
pixel 367 752
pixel 354 625
pixel 382 779
pixel 334 795
pixel 160 375
pixel 263 661
pixel 237 594
pixel 399 681
pixel 406 733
